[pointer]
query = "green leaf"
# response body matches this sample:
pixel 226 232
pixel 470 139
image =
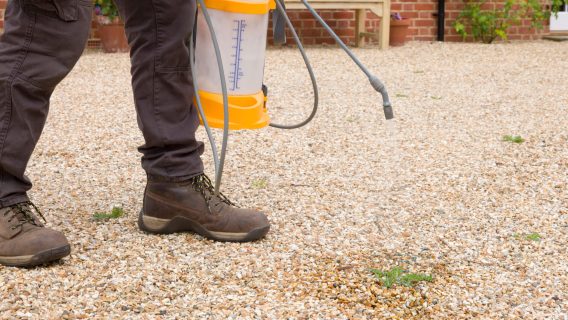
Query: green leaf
pixel 399 276
pixel 116 213
pixel 514 139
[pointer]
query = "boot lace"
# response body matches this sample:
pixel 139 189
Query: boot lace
pixel 203 185
pixel 22 212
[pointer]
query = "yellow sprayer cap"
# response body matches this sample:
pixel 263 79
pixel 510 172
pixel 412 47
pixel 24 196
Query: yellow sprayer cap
pixel 241 6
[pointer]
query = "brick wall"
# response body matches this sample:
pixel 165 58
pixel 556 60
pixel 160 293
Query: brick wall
pixel 421 12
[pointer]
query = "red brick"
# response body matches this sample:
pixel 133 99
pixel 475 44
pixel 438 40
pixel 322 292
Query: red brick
pixel 343 24
pixel 309 32
pixel 454 6
pixel 325 41
pixel 453 15
pixel 408 7
pixel 3 4
pixel 411 14
pixel 308 23
pixel 395 7
pixel 309 41
pixel 305 15
pixel 345 32
pixel 326 15
pixel 423 31
pixel 423 38
pixel 343 15
pixel 424 6
pixel 424 23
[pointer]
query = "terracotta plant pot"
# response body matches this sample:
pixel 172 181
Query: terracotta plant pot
pixel 113 38
pixel 398 32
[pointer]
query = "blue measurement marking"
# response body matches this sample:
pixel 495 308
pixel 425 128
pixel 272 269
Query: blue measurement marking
pixel 237 73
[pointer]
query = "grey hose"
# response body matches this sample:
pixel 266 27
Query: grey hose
pixel 221 162
pixel 310 71
pixel 375 82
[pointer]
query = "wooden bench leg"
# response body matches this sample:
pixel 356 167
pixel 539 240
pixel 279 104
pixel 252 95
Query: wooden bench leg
pixel 360 17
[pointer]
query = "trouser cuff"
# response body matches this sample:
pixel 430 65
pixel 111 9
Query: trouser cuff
pixel 10 201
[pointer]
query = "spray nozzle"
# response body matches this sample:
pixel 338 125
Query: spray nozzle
pixel 389 114
pixel 380 88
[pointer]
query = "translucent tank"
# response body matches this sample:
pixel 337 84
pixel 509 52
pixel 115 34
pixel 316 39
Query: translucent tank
pixel 240 27
pixel 242 41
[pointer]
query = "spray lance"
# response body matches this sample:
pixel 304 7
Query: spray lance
pixel 237 99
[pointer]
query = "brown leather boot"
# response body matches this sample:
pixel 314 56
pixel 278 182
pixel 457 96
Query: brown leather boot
pixel 191 205
pixel 25 241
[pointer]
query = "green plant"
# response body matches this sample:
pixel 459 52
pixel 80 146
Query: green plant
pixel 261 183
pixel 514 139
pixel 487 25
pixel 527 236
pixel 116 212
pixel 106 11
pixel 533 236
pixel 397 275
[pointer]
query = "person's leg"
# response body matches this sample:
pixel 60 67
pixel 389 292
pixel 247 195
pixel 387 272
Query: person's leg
pixel 178 196
pixel 41 43
pixel 158 32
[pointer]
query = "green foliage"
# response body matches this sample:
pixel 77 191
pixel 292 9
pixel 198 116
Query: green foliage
pixel 261 183
pixel 486 25
pixel 116 213
pixel 397 275
pixel 533 236
pixel 514 139
pixel 528 236
pixel 106 8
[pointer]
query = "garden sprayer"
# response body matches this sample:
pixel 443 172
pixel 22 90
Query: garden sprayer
pixel 229 46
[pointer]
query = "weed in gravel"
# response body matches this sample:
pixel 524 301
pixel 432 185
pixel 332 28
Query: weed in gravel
pixel 116 212
pixel 401 95
pixel 261 183
pixel 514 139
pixel 528 236
pixel 397 275
pixel 436 97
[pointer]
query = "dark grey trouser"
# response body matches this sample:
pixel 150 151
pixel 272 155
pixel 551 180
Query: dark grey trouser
pixel 43 40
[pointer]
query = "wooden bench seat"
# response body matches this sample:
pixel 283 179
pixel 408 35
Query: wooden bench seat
pixel 379 7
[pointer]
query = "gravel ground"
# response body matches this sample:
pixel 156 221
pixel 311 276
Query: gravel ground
pixel 437 191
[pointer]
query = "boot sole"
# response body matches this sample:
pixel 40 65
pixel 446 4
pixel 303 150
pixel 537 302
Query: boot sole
pixel 38 258
pixel 183 224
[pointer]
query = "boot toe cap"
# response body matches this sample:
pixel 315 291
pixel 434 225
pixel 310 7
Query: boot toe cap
pixel 39 240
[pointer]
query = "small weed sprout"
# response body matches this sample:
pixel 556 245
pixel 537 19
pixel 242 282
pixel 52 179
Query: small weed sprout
pixel 261 183
pixel 528 236
pixel 514 139
pixel 533 236
pixel 116 213
pixel 397 275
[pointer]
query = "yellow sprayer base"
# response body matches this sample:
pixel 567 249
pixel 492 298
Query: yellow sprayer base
pixel 245 112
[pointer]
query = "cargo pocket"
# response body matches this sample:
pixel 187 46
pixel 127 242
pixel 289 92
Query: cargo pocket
pixel 66 10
